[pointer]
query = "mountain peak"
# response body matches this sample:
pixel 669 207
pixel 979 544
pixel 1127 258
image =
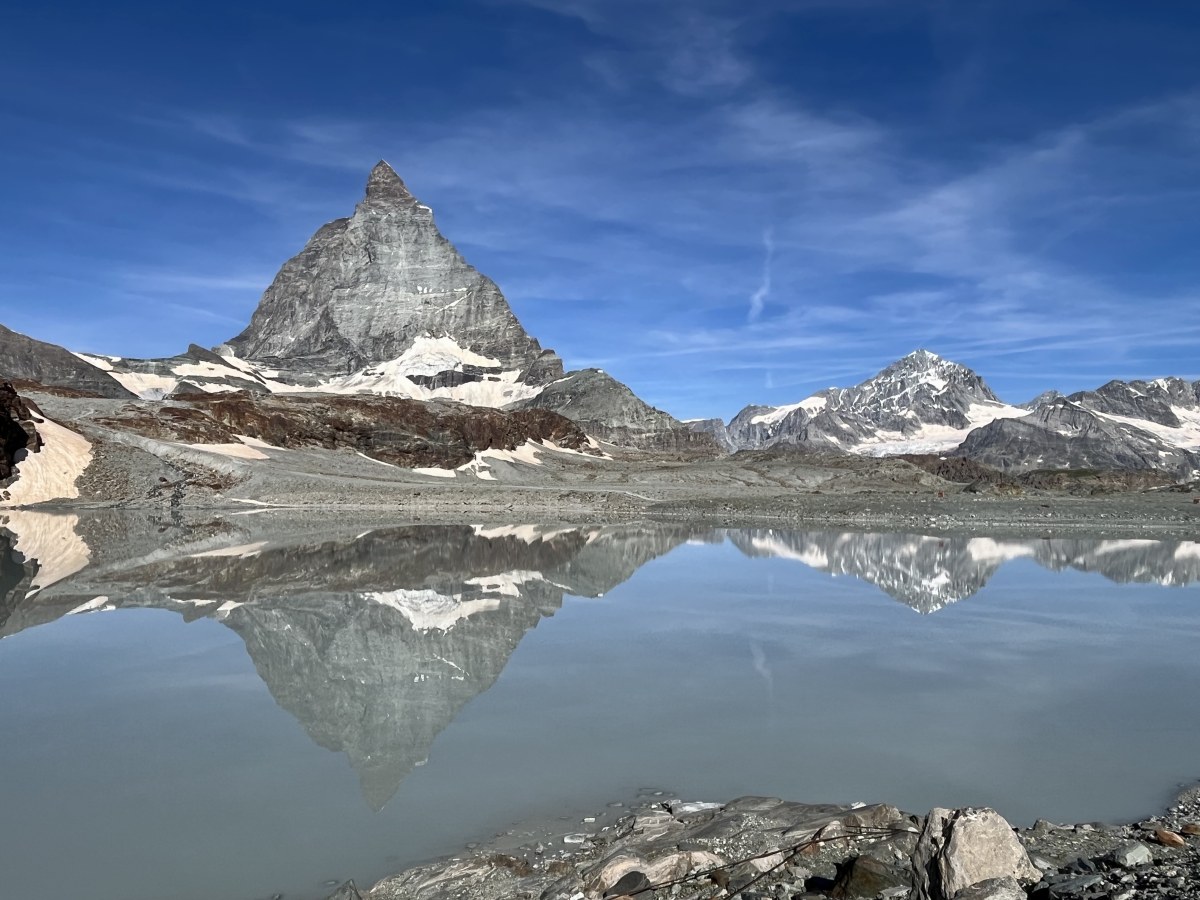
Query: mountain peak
pixel 385 184
pixel 923 356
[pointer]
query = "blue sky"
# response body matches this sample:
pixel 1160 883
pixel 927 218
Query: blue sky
pixel 719 203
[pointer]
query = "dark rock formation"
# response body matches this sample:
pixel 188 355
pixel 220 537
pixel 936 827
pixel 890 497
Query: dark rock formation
pixel 18 432
pixel 957 469
pixel 25 359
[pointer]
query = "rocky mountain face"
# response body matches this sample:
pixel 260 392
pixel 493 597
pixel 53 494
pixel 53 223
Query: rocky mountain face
pixel 23 359
pixel 921 403
pixel 612 412
pixel 1064 434
pixel 364 289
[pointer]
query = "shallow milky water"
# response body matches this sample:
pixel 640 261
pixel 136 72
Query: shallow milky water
pixel 272 717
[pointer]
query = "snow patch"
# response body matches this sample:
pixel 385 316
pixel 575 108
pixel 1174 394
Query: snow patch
pixel 435 472
pixel 241 551
pixel 427 610
pixel 97 604
pixel 53 472
pixel 51 540
pixel 104 365
pixel 987 550
pixel 239 450
pixel 145 385
pixel 813 557
pixel 936 438
pixel 507 584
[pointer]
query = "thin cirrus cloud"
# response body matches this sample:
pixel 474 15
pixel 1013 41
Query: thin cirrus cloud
pixel 670 206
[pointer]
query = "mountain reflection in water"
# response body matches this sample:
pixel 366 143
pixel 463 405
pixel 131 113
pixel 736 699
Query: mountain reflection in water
pixel 375 641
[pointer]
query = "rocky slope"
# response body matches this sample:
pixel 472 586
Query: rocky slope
pixel 1064 434
pixel 764 847
pixel 25 359
pixel 405 433
pixel 612 412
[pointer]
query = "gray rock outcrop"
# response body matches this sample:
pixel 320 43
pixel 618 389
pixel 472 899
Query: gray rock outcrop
pixel 1065 434
pixel 28 360
pixel 609 410
pixel 958 849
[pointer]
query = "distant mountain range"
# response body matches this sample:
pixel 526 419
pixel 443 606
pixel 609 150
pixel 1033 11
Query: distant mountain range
pixel 923 404
pixel 381 304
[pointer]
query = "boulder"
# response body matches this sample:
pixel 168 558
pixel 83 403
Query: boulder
pixel 960 848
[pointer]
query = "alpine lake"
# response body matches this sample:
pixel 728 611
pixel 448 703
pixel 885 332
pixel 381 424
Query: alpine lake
pixel 226 713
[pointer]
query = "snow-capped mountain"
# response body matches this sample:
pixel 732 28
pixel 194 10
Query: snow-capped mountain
pixel 919 404
pixel 925 404
pixel 377 303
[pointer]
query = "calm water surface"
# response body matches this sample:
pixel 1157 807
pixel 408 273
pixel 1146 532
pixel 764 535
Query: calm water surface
pixel 276 715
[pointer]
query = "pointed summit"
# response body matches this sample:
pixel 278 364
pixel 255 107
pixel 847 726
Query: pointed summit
pixel 385 184
pixel 923 356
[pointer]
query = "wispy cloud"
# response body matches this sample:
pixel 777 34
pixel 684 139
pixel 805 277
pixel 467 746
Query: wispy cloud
pixel 759 298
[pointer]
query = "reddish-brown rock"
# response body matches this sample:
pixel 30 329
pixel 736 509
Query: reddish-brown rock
pixel 393 430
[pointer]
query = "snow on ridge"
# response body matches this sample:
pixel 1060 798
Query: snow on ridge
pixel 936 438
pixel 813 557
pixel 1185 437
pixel 104 364
pixel 812 405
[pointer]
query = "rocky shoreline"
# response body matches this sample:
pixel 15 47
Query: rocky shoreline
pixel 763 848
